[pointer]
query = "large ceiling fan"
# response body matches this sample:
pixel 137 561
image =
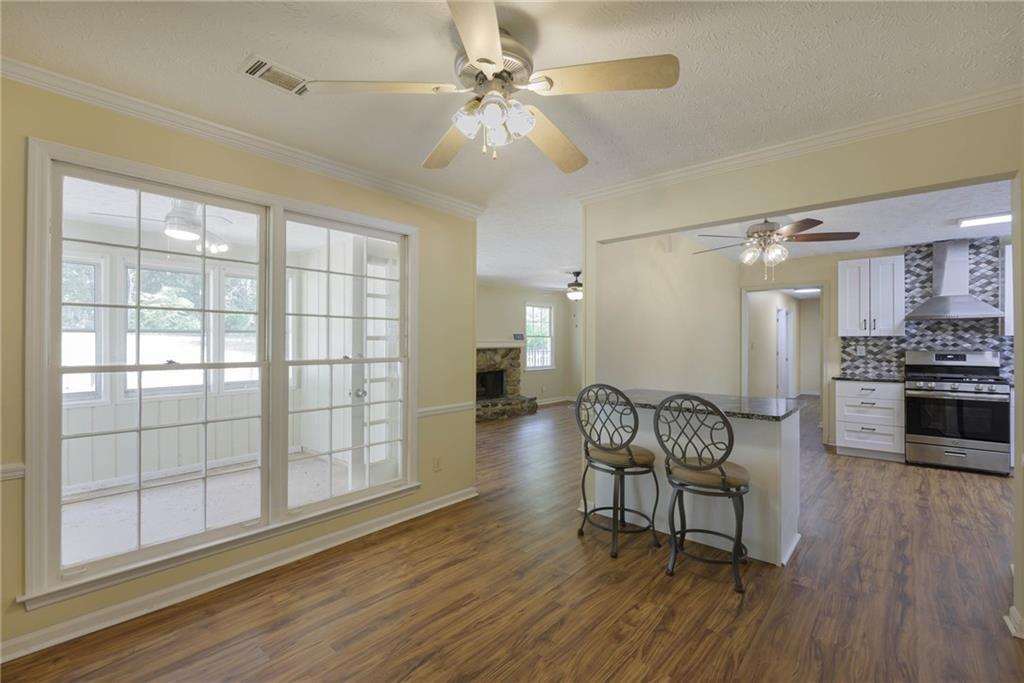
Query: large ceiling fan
pixel 764 241
pixel 495 67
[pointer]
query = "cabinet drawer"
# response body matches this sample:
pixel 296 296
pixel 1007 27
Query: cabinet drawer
pixel 884 438
pixel 869 410
pixel 892 391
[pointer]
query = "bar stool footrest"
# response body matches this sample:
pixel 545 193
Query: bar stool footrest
pixel 622 529
pixel 710 560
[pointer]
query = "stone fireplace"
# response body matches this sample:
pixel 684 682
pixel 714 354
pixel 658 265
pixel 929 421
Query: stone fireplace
pixel 499 371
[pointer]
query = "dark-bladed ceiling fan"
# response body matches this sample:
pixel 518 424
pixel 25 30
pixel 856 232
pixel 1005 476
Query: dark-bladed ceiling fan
pixel 495 67
pixel 764 240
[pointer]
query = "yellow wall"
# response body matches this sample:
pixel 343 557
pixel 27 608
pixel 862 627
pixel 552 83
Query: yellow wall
pixel 763 341
pixel 501 312
pixel 666 319
pixel 447 265
pixel 952 152
pixel 810 346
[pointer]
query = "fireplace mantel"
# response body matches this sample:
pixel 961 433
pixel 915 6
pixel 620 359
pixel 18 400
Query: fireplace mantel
pixel 500 344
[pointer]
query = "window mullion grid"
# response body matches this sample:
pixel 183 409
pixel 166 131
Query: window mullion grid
pixel 138 362
pixel 207 347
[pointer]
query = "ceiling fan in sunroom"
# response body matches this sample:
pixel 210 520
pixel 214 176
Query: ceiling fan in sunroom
pixel 495 68
pixel 764 241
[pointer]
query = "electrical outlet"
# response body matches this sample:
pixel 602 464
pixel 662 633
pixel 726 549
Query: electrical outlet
pixel 861 350
pixel 436 464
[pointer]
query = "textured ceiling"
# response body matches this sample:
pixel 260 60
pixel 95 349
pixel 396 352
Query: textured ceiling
pixel 894 222
pixel 752 75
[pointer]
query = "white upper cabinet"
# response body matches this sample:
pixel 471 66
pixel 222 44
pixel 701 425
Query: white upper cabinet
pixel 1007 298
pixel 872 297
pixel 854 297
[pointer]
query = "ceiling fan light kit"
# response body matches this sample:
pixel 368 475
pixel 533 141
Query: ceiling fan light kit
pixel 495 66
pixel 574 290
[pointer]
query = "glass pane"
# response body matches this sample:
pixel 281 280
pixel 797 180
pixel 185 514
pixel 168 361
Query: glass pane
pixel 99 212
pixel 232 233
pixel 382 340
pixel 169 281
pixel 237 286
pixel 307 292
pixel 347 252
pixel 85 273
pixel 383 258
pixel 342 428
pixel 233 444
pixel 170 336
pixel 306 338
pixel 171 452
pixel 343 393
pixel 308 434
pixel 233 337
pixel 383 299
pixel 86 336
pixel 93 465
pixel 345 291
pixel 306 245
pixel 234 398
pixel 309 480
pixel 172 511
pixel 172 224
pixel 348 472
pixel 384 462
pixel 383 422
pixel 342 340
pixel 232 498
pixel 384 382
pixel 171 397
pixel 104 408
pixel 99 527
pixel 309 387
pixel 79 282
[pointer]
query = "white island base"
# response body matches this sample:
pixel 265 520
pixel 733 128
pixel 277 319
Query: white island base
pixel 768 446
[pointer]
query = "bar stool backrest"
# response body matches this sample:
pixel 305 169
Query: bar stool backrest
pixel 606 417
pixel 693 432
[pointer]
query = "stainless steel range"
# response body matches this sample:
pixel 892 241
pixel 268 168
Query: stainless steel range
pixel 957 410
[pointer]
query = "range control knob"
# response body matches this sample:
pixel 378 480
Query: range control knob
pixel 979 387
pixel 931 385
pixel 920 384
pixel 992 388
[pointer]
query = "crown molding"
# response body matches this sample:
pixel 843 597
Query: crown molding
pixel 275 151
pixel 994 99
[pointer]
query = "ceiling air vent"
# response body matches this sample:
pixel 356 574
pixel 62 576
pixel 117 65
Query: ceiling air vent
pixel 260 68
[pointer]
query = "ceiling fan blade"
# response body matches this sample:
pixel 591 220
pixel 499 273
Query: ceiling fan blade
pixel 477 24
pixel 446 149
pixel 399 87
pixel 799 226
pixel 638 73
pixel 729 246
pixel 825 237
pixel 728 237
pixel 555 145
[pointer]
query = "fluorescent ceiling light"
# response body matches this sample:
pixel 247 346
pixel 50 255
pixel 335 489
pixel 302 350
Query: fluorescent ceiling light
pixel 807 290
pixel 985 220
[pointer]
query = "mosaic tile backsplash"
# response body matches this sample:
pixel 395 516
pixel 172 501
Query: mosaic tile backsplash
pixel 884 355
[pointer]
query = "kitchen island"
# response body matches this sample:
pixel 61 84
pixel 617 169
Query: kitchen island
pixel 767 443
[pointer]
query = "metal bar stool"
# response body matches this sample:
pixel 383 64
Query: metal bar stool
pixel 697 439
pixel 608 421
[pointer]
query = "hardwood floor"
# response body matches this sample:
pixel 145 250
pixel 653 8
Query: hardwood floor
pixel 902 574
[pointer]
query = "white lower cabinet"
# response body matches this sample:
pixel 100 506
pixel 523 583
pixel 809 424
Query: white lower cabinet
pixel 870 419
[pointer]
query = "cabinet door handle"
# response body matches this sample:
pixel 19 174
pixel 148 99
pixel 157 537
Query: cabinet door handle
pixel 867 403
pixel 867 388
pixel 874 323
pixel 867 429
pixel 864 324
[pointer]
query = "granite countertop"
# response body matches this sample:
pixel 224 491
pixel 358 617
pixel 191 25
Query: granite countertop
pixel 739 407
pixel 869 378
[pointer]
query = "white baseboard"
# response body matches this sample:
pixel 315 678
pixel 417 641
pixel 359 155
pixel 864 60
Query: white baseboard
pixel 1015 622
pixel 144 604
pixel 557 399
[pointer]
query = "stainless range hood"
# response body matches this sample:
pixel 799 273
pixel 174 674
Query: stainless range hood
pixel 950 276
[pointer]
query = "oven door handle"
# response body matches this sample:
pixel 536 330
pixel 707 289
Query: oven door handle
pixel 990 398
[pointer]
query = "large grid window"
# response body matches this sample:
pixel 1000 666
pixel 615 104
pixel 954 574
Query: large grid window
pixel 153 334
pixel 204 366
pixel 345 360
pixel 539 343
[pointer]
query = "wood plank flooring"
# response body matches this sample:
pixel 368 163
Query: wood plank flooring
pixel 902 574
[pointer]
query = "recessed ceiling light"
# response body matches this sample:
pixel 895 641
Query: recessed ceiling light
pixel 985 220
pixel 807 290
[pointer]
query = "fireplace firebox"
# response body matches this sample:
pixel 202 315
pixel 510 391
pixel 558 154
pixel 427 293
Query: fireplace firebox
pixel 490 384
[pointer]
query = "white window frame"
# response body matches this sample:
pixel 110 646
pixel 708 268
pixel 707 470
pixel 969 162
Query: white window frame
pixel 45 584
pixel 551 336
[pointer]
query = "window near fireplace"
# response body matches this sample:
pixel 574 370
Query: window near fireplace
pixel 490 384
pixel 539 341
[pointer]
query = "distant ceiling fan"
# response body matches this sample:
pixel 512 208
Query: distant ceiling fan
pixel 494 67
pixel 764 241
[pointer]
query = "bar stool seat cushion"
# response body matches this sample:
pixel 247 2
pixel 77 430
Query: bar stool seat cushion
pixel 643 457
pixel 735 476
